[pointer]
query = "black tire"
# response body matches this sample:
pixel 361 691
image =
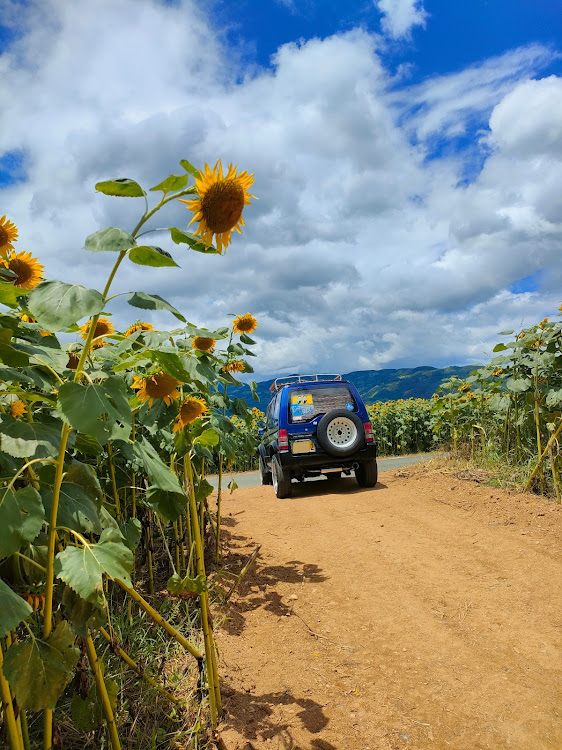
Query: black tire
pixel 340 433
pixel 281 479
pixel 367 473
pixel 265 474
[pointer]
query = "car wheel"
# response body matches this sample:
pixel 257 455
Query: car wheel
pixel 265 474
pixel 281 479
pixel 367 473
pixel 340 432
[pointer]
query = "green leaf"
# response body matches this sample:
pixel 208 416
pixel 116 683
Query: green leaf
pixel 8 354
pixel 88 445
pixel 76 509
pixel 147 255
pixel 203 489
pixel 87 714
pixel 56 305
pixel 245 339
pixel 254 389
pixel 13 609
pixel 167 504
pixel 554 398
pixel 518 385
pixel 208 437
pixel 122 188
pixel 194 242
pixel 82 568
pixel 172 183
pixel 21 518
pixel 131 532
pixel 85 476
pixel 9 294
pixel 173 364
pixel 28 439
pixel 101 411
pixel 110 239
pixel 157 471
pixel 177 585
pixel 10 375
pixel 499 348
pixel 82 614
pixel 193 171
pixel 38 671
pixel 152 302
pixel 232 485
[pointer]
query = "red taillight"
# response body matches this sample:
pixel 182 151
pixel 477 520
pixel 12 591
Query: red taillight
pixel 283 440
pixel 368 432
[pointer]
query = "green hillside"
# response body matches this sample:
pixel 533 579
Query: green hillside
pixel 381 385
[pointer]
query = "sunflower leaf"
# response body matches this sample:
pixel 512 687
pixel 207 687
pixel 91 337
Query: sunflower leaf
pixel 100 411
pixel 9 294
pixel 28 439
pixel 172 183
pixel 8 354
pixel 83 568
pixel 179 236
pixel 13 609
pixel 38 671
pixel 76 510
pixel 157 471
pixel 109 239
pixel 169 505
pixel 173 365
pixel 56 305
pixel 122 188
pixel 193 171
pixel 21 518
pixel 147 255
pixel 152 302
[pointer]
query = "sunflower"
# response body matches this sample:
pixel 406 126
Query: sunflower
pixel 8 235
pixel 236 366
pixel 28 271
pixel 27 318
pixel 160 385
pixel 203 343
pixel 218 209
pixel 244 324
pixel 103 328
pixel 17 408
pixel 190 410
pixel 139 326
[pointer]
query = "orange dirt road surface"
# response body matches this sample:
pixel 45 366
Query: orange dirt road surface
pixel 424 613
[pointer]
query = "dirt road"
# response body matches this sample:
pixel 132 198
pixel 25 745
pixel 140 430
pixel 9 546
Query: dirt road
pixel 426 613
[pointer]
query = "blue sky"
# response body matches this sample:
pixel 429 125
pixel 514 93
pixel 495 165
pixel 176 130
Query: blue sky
pixel 407 158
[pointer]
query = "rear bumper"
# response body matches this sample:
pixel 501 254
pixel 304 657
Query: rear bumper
pixel 317 461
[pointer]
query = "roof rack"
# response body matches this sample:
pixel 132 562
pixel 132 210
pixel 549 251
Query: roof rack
pixel 288 380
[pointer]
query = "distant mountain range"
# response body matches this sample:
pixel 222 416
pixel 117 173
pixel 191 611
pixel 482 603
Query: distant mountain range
pixel 378 385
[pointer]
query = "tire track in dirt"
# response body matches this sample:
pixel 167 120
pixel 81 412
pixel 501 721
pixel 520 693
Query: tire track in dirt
pixel 423 613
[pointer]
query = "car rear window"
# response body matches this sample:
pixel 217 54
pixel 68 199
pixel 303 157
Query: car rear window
pixel 307 403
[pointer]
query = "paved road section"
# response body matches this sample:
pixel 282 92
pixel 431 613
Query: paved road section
pixel 252 478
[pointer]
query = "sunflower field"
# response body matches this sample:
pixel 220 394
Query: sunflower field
pixel 511 410
pixel 403 426
pixel 104 447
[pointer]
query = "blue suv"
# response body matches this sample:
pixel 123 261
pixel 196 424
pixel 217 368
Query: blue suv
pixel 316 424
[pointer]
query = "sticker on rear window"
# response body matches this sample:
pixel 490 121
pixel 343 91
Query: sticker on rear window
pixel 349 406
pixel 302 406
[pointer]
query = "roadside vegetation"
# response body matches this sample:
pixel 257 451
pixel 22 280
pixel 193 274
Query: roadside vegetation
pixel 105 528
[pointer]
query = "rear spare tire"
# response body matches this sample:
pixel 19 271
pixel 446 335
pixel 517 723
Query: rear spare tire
pixel 340 432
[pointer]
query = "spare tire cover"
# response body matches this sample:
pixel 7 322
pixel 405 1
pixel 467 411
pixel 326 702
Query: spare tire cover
pixel 340 432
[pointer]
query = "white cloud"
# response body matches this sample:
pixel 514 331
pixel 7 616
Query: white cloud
pixel 361 252
pixel 400 16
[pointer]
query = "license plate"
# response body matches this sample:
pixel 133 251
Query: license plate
pixel 302 446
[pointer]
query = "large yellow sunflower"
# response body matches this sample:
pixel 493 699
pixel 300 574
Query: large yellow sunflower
pixel 218 209
pixel 244 324
pixel 28 271
pixel 190 410
pixel 160 385
pixel 103 328
pixel 139 326
pixel 8 235
pixel 203 343
pixel 236 366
